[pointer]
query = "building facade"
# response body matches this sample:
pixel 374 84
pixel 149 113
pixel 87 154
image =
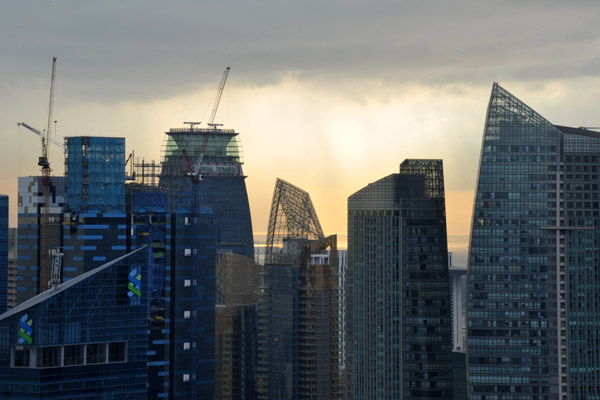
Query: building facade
pixel 533 279
pixel 210 160
pixel 299 346
pixel 29 236
pixel 3 253
pixel 83 339
pixel 236 337
pixel 398 319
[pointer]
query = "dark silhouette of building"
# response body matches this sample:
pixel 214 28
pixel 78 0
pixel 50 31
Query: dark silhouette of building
pixel 398 320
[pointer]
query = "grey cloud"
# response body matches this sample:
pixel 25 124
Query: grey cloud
pixel 151 49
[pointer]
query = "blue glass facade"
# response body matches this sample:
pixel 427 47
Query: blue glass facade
pixel 182 295
pixel 532 276
pixel 203 168
pixel 3 252
pixel 84 339
pixel 398 317
pixel 95 171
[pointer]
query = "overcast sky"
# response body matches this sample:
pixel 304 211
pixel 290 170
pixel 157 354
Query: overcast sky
pixel 327 95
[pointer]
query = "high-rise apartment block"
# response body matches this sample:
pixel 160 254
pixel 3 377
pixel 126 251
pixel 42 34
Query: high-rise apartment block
pixel 398 320
pixel 533 281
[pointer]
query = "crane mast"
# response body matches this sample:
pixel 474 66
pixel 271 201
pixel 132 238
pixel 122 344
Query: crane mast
pixel 44 163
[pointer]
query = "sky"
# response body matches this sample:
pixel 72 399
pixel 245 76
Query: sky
pixel 329 96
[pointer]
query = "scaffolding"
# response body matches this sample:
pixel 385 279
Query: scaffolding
pixel 292 216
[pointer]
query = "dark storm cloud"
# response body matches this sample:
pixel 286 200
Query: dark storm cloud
pixel 150 49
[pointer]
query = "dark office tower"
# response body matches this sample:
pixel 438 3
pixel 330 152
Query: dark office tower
pixel 299 345
pixel 238 288
pixel 398 321
pixel 29 231
pixel 214 159
pixel 182 294
pixel 533 281
pixel 3 252
pixel 84 339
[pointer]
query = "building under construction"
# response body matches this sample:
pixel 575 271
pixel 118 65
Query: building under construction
pixel 299 341
pixel 203 167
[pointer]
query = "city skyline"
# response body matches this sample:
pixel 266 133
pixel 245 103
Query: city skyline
pixel 329 97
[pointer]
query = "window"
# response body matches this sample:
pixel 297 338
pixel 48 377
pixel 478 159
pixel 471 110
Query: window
pixel 96 353
pixel 186 377
pixel 21 357
pixel 186 314
pixel 48 356
pixel 73 355
pixel 186 345
pixel 117 352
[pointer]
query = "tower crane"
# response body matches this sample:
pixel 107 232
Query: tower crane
pixel 218 98
pixel 44 163
pixel 41 135
pixel 211 121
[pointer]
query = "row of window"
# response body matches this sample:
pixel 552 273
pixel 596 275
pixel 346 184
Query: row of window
pixel 68 355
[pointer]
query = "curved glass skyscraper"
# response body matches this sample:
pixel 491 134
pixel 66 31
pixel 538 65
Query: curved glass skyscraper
pixel 203 168
pixel 533 282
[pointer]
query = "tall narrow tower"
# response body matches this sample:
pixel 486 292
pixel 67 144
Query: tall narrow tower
pixel 398 321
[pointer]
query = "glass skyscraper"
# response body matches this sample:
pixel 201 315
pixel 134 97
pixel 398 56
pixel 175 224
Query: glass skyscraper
pixel 533 281
pixel 210 160
pixel 83 339
pixel 398 321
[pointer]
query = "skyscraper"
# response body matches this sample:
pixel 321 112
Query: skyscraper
pixel 398 321
pixel 299 316
pixel 533 281
pixel 213 159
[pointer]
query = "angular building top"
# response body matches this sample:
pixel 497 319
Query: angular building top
pixel 292 217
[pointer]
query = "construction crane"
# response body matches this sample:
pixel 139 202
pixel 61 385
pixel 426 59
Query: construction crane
pixel 44 163
pixel 37 132
pixel 210 123
pixel 218 97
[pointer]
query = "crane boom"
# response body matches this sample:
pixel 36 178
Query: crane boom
pixel 40 134
pixel 218 97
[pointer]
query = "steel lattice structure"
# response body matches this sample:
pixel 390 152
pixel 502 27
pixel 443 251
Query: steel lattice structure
pixel 293 216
